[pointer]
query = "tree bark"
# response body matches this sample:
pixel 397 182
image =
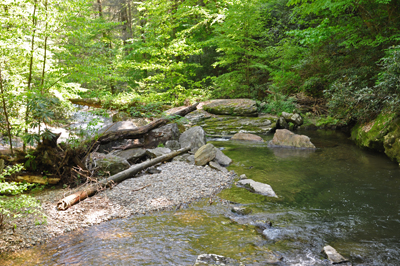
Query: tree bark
pixel 70 200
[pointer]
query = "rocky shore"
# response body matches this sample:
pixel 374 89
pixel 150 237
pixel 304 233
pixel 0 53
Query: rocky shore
pixel 176 185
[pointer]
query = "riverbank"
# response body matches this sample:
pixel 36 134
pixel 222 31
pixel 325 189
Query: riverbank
pixel 176 185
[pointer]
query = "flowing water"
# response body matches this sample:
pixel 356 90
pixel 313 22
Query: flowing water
pixel 338 195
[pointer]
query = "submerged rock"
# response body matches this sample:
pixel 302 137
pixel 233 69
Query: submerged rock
pixel 241 210
pixel 237 107
pixel 257 187
pixel 205 154
pixel 194 137
pixel 213 259
pixel 247 136
pixel 333 255
pixel 286 138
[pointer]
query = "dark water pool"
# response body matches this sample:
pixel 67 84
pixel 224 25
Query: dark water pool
pixel 338 195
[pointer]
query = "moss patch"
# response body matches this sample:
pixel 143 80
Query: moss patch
pixel 392 141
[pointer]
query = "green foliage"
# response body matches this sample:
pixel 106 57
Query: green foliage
pixel 278 103
pixel 12 188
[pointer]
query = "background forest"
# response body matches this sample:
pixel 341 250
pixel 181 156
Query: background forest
pixel 343 52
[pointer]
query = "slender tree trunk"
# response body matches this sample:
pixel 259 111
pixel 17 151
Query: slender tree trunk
pixel 5 112
pixel 44 57
pixel 30 68
pixel 100 8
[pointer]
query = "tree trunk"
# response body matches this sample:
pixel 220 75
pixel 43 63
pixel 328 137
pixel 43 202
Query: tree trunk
pixel 70 200
pixel 6 113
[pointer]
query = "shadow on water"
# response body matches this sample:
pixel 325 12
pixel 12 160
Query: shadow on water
pixel 337 195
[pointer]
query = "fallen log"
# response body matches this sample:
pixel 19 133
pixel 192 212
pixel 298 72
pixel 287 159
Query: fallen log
pixel 70 200
pixel 87 102
pixel 140 131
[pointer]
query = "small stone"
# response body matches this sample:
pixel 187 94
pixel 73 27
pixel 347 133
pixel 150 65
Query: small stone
pixel 333 255
pixel 241 210
pixel 257 187
pixel 241 177
pixel 157 152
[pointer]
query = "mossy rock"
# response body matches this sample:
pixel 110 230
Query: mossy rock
pixel 230 125
pixel 391 141
pixel 371 134
pixel 235 107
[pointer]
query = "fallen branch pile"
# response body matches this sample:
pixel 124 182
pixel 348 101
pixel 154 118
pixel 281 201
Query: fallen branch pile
pixel 70 200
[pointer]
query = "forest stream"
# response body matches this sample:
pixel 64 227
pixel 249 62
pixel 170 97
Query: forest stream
pixel 338 195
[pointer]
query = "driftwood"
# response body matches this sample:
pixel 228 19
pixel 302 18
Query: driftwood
pixel 70 200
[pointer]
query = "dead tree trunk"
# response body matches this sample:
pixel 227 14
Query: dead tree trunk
pixel 140 131
pixel 67 202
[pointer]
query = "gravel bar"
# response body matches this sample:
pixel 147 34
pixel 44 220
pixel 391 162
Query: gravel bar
pixel 177 185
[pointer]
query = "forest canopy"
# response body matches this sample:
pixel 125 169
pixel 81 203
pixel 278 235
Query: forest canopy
pixel 345 52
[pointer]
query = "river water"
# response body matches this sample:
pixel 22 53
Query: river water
pixel 338 195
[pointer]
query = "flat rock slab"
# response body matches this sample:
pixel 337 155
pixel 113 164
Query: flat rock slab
pixel 247 136
pixel 286 138
pixel 238 107
pixel 117 126
pixel 257 187
pixel 224 125
pixel 333 255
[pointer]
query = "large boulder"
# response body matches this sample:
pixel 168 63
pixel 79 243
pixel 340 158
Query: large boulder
pixel 161 135
pixel 247 136
pixel 173 145
pixel 131 155
pixel 117 126
pixel 205 154
pixel 381 134
pixel 286 138
pixel 257 187
pixel 157 152
pixel 221 158
pixel 237 107
pixel 194 137
pixel 109 163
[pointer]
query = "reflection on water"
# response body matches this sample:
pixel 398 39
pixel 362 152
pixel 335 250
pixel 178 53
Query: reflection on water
pixel 337 195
